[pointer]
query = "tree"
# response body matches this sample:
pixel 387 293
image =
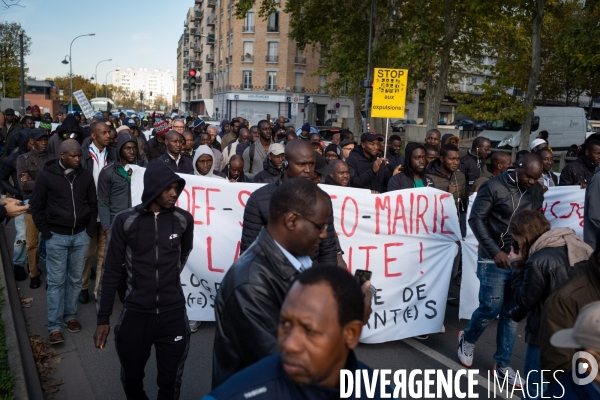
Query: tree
pixel 79 83
pixel 10 56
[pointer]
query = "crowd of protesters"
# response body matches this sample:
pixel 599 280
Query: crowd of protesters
pixel 69 190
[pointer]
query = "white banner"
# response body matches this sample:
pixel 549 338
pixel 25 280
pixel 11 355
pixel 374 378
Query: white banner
pixel 406 238
pixel 563 207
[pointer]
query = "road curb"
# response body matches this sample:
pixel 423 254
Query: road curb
pixel 10 333
pixel 20 356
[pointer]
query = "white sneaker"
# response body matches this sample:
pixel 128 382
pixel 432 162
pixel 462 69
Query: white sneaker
pixel 509 373
pixel 465 350
pixel 194 326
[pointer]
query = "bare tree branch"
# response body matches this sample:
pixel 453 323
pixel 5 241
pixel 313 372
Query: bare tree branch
pixel 11 3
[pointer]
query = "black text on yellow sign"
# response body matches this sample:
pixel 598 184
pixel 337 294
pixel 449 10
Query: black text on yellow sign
pixel 389 93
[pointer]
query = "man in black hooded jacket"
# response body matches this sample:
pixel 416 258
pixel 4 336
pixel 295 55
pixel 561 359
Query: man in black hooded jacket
pixel 364 165
pixel 580 171
pixel 413 171
pixel 152 241
pixel 69 129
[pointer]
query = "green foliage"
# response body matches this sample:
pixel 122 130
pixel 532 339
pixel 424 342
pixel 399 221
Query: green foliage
pixel 10 57
pixel 7 380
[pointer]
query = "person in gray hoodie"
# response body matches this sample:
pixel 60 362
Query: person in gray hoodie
pixel 204 163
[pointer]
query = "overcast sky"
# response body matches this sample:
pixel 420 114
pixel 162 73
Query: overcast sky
pixel 134 33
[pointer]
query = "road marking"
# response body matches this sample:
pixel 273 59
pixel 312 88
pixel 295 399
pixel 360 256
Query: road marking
pixel 428 351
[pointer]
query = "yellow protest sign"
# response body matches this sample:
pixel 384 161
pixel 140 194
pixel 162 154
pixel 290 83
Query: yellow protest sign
pixel 389 93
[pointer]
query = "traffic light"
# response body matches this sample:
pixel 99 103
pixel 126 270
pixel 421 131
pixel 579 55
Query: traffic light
pixel 192 74
pixel 150 94
pixel 307 99
pixel 367 83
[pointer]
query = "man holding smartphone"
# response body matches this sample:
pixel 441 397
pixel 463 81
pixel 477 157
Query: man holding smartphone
pixel 497 202
pixel 29 165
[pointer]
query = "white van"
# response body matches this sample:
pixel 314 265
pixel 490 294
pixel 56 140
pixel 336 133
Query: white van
pixel 566 127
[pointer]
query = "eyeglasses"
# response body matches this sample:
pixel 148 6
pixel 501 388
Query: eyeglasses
pixel 319 227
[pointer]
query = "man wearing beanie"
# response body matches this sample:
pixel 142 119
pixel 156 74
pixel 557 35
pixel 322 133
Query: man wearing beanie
pixel 156 145
pixel 65 208
pixel 305 133
pixel 151 242
pixel 29 166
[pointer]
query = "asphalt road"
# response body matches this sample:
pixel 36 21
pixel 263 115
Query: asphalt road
pixel 90 373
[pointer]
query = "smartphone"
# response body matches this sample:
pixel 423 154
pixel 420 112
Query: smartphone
pixel 362 276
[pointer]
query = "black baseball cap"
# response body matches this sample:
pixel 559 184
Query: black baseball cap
pixel 321 166
pixel 37 133
pixel 9 111
pixel 346 143
pixel 370 137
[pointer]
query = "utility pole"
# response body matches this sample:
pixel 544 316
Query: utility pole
pixel 22 74
pixel 369 90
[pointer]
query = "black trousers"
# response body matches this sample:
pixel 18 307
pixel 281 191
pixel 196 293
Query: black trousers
pixel 135 333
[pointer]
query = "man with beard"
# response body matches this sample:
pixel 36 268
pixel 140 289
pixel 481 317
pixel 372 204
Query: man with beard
pixel 341 174
pixel 580 171
pixel 272 165
pixel 257 152
pixel 413 173
pixel 495 205
pixel 173 157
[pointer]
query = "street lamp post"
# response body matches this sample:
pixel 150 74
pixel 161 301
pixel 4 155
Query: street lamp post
pixel 96 83
pixel 70 62
pixel 106 81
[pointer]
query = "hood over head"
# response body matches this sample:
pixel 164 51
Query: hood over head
pixel 157 178
pixel 24 136
pixel 123 138
pixel 204 149
pixel 69 124
pixel 408 150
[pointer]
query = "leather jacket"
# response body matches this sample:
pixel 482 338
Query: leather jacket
pixel 543 272
pixel 247 307
pixel 496 203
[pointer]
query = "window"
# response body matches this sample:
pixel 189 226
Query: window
pixel 273 25
pixel 247 83
pixel 322 83
pixel 271 81
pixel 272 52
pixel 248 51
pixel 300 59
pixel 299 82
pixel 248 23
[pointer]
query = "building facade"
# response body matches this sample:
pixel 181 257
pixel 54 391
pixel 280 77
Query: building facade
pixel 152 83
pixel 251 68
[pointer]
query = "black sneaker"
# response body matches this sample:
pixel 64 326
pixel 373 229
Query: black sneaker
pixel 20 274
pixel 35 282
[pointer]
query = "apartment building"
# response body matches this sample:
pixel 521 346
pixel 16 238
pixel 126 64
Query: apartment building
pixel 251 68
pixel 152 83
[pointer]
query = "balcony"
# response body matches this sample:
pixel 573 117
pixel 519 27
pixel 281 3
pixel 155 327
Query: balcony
pixel 300 60
pixel 247 58
pixel 210 59
pixel 198 15
pixel 271 87
pixel 209 77
pixel 193 31
pixel 273 29
pixel 199 2
pixel 210 21
pixel 211 3
pixel 198 48
pixel 298 88
pixel 247 29
pixel 247 87
pixel 272 59
pixel 322 90
pixel 210 39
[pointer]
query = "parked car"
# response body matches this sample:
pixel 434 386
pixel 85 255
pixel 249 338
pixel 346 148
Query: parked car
pixel 287 122
pixel 399 125
pixel 442 122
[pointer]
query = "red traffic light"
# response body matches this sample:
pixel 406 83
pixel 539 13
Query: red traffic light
pixel 192 72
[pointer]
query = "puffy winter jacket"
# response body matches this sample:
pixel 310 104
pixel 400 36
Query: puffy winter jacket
pixel 542 274
pixel 496 202
pixel 152 248
pixel 256 215
pixel 64 204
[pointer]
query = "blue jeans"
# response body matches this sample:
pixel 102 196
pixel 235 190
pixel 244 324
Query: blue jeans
pixel 534 379
pixel 495 299
pixel 65 262
pixel 20 251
